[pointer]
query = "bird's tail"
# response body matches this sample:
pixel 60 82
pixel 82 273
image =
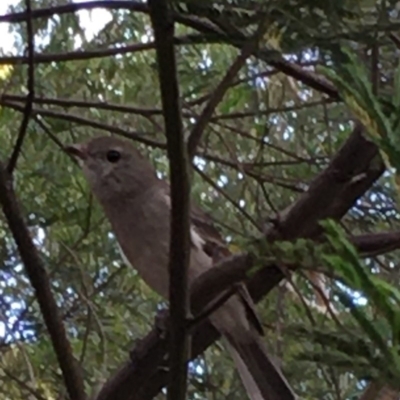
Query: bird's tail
pixel 261 378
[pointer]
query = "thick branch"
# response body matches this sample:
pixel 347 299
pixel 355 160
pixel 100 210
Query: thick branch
pixel 376 243
pixel 40 282
pixel 377 391
pixel 309 78
pixel 179 250
pixel 350 173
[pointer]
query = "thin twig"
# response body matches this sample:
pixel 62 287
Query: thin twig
pixel 143 111
pixel 149 112
pixel 221 89
pixel 31 90
pixel 23 385
pixel 48 12
pixel 240 132
pixel 100 53
pixel 375 72
pixel 237 82
pixel 226 196
pixel 138 136
pixel 395 39
pixel 179 250
pixel 272 110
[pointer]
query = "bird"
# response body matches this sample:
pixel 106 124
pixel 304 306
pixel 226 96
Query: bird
pixel 137 204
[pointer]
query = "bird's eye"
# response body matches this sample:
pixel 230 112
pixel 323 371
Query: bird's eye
pixel 113 156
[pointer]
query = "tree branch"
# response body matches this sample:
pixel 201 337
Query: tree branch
pixel 376 243
pixel 100 53
pixel 24 385
pixel 309 78
pixel 70 103
pixel 273 58
pixel 74 7
pixel 40 282
pixel 138 136
pixel 377 391
pixel 31 90
pixel 219 92
pixel 179 250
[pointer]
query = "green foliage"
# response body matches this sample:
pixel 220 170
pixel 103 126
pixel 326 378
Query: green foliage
pixel 370 345
pixel 380 114
pixel 268 138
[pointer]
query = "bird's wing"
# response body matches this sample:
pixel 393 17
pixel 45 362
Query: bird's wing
pixel 216 248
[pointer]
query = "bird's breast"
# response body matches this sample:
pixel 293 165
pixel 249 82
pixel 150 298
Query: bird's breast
pixel 142 228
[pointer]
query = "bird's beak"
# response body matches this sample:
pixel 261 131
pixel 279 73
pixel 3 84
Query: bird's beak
pixel 78 151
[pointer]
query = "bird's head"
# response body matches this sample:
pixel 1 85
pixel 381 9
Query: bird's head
pixel 113 166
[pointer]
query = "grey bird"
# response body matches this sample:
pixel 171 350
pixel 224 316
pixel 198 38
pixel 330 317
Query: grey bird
pixel 137 204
